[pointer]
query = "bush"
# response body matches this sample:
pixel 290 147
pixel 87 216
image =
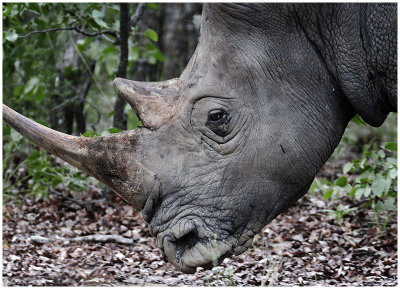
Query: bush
pixel 372 180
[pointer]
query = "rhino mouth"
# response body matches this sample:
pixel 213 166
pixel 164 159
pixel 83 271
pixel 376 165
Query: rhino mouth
pixel 190 248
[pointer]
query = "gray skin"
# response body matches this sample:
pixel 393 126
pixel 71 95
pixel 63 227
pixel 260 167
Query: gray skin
pixel 240 136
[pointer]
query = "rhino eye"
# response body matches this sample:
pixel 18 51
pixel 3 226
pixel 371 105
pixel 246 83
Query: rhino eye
pixel 218 121
pixel 217 116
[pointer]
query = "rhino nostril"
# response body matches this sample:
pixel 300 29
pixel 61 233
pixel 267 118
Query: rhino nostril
pixel 186 242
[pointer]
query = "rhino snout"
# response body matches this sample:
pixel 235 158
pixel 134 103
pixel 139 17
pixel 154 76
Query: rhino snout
pixel 189 246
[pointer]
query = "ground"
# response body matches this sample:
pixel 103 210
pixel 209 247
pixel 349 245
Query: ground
pixel 302 246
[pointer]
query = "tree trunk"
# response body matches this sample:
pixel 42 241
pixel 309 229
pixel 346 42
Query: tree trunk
pixel 179 36
pixel 120 120
pixel 80 117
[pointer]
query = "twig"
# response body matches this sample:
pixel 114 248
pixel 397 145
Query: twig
pixel 88 82
pixel 93 125
pixel 138 14
pixel 108 32
pixel 357 204
pixel 39 240
pixel 104 239
pixel 91 71
pixel 82 204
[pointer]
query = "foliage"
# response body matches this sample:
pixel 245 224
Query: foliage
pixel 35 41
pixel 40 176
pixel 371 179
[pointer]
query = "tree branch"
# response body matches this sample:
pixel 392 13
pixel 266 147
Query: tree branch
pixel 82 204
pixel 104 239
pixel 107 32
pixel 120 120
pixel 138 14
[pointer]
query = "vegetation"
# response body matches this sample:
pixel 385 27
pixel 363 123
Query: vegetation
pixel 371 179
pixel 61 58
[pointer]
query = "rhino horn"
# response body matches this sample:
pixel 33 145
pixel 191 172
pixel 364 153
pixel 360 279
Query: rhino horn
pixel 153 102
pixel 110 159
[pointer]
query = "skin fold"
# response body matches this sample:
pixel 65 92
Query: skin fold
pixel 241 134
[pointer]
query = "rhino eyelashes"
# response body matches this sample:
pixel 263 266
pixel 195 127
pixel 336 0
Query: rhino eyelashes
pixel 218 121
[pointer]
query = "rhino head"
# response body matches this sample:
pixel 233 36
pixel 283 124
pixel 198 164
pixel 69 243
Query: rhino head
pixel 227 146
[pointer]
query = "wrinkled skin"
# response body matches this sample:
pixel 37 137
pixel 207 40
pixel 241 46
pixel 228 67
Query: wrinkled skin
pixel 258 110
pixel 287 111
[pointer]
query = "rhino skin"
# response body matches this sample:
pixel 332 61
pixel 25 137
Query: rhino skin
pixel 241 134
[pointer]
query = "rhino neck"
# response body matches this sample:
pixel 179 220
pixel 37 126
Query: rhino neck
pixel 360 56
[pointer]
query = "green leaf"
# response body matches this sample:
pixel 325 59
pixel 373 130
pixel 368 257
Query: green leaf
pixel 367 191
pixel 151 34
pixel 110 114
pixel 135 53
pixel 133 120
pixel 327 194
pixel 111 63
pixel 393 173
pixel 31 84
pixel 392 161
pixel 390 204
pixel 81 44
pixel 359 193
pixel 388 183
pixel 95 50
pixel 54 183
pixel 90 134
pixel 7 10
pixel 152 60
pixel 378 185
pixel 358 121
pixel 381 153
pixel 341 182
pixel 362 163
pixel 110 49
pixel 15 136
pixel 97 16
pixel 380 206
pixel 114 130
pixel 11 35
pixel 347 167
pixel 40 23
pixel 391 146
pixel 352 191
pixel 313 186
pixel 151 6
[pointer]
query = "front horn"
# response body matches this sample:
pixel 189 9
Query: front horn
pixel 111 159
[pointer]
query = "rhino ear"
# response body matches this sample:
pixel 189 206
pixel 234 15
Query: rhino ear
pixel 153 102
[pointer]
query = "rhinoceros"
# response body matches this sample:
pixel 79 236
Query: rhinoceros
pixel 241 134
